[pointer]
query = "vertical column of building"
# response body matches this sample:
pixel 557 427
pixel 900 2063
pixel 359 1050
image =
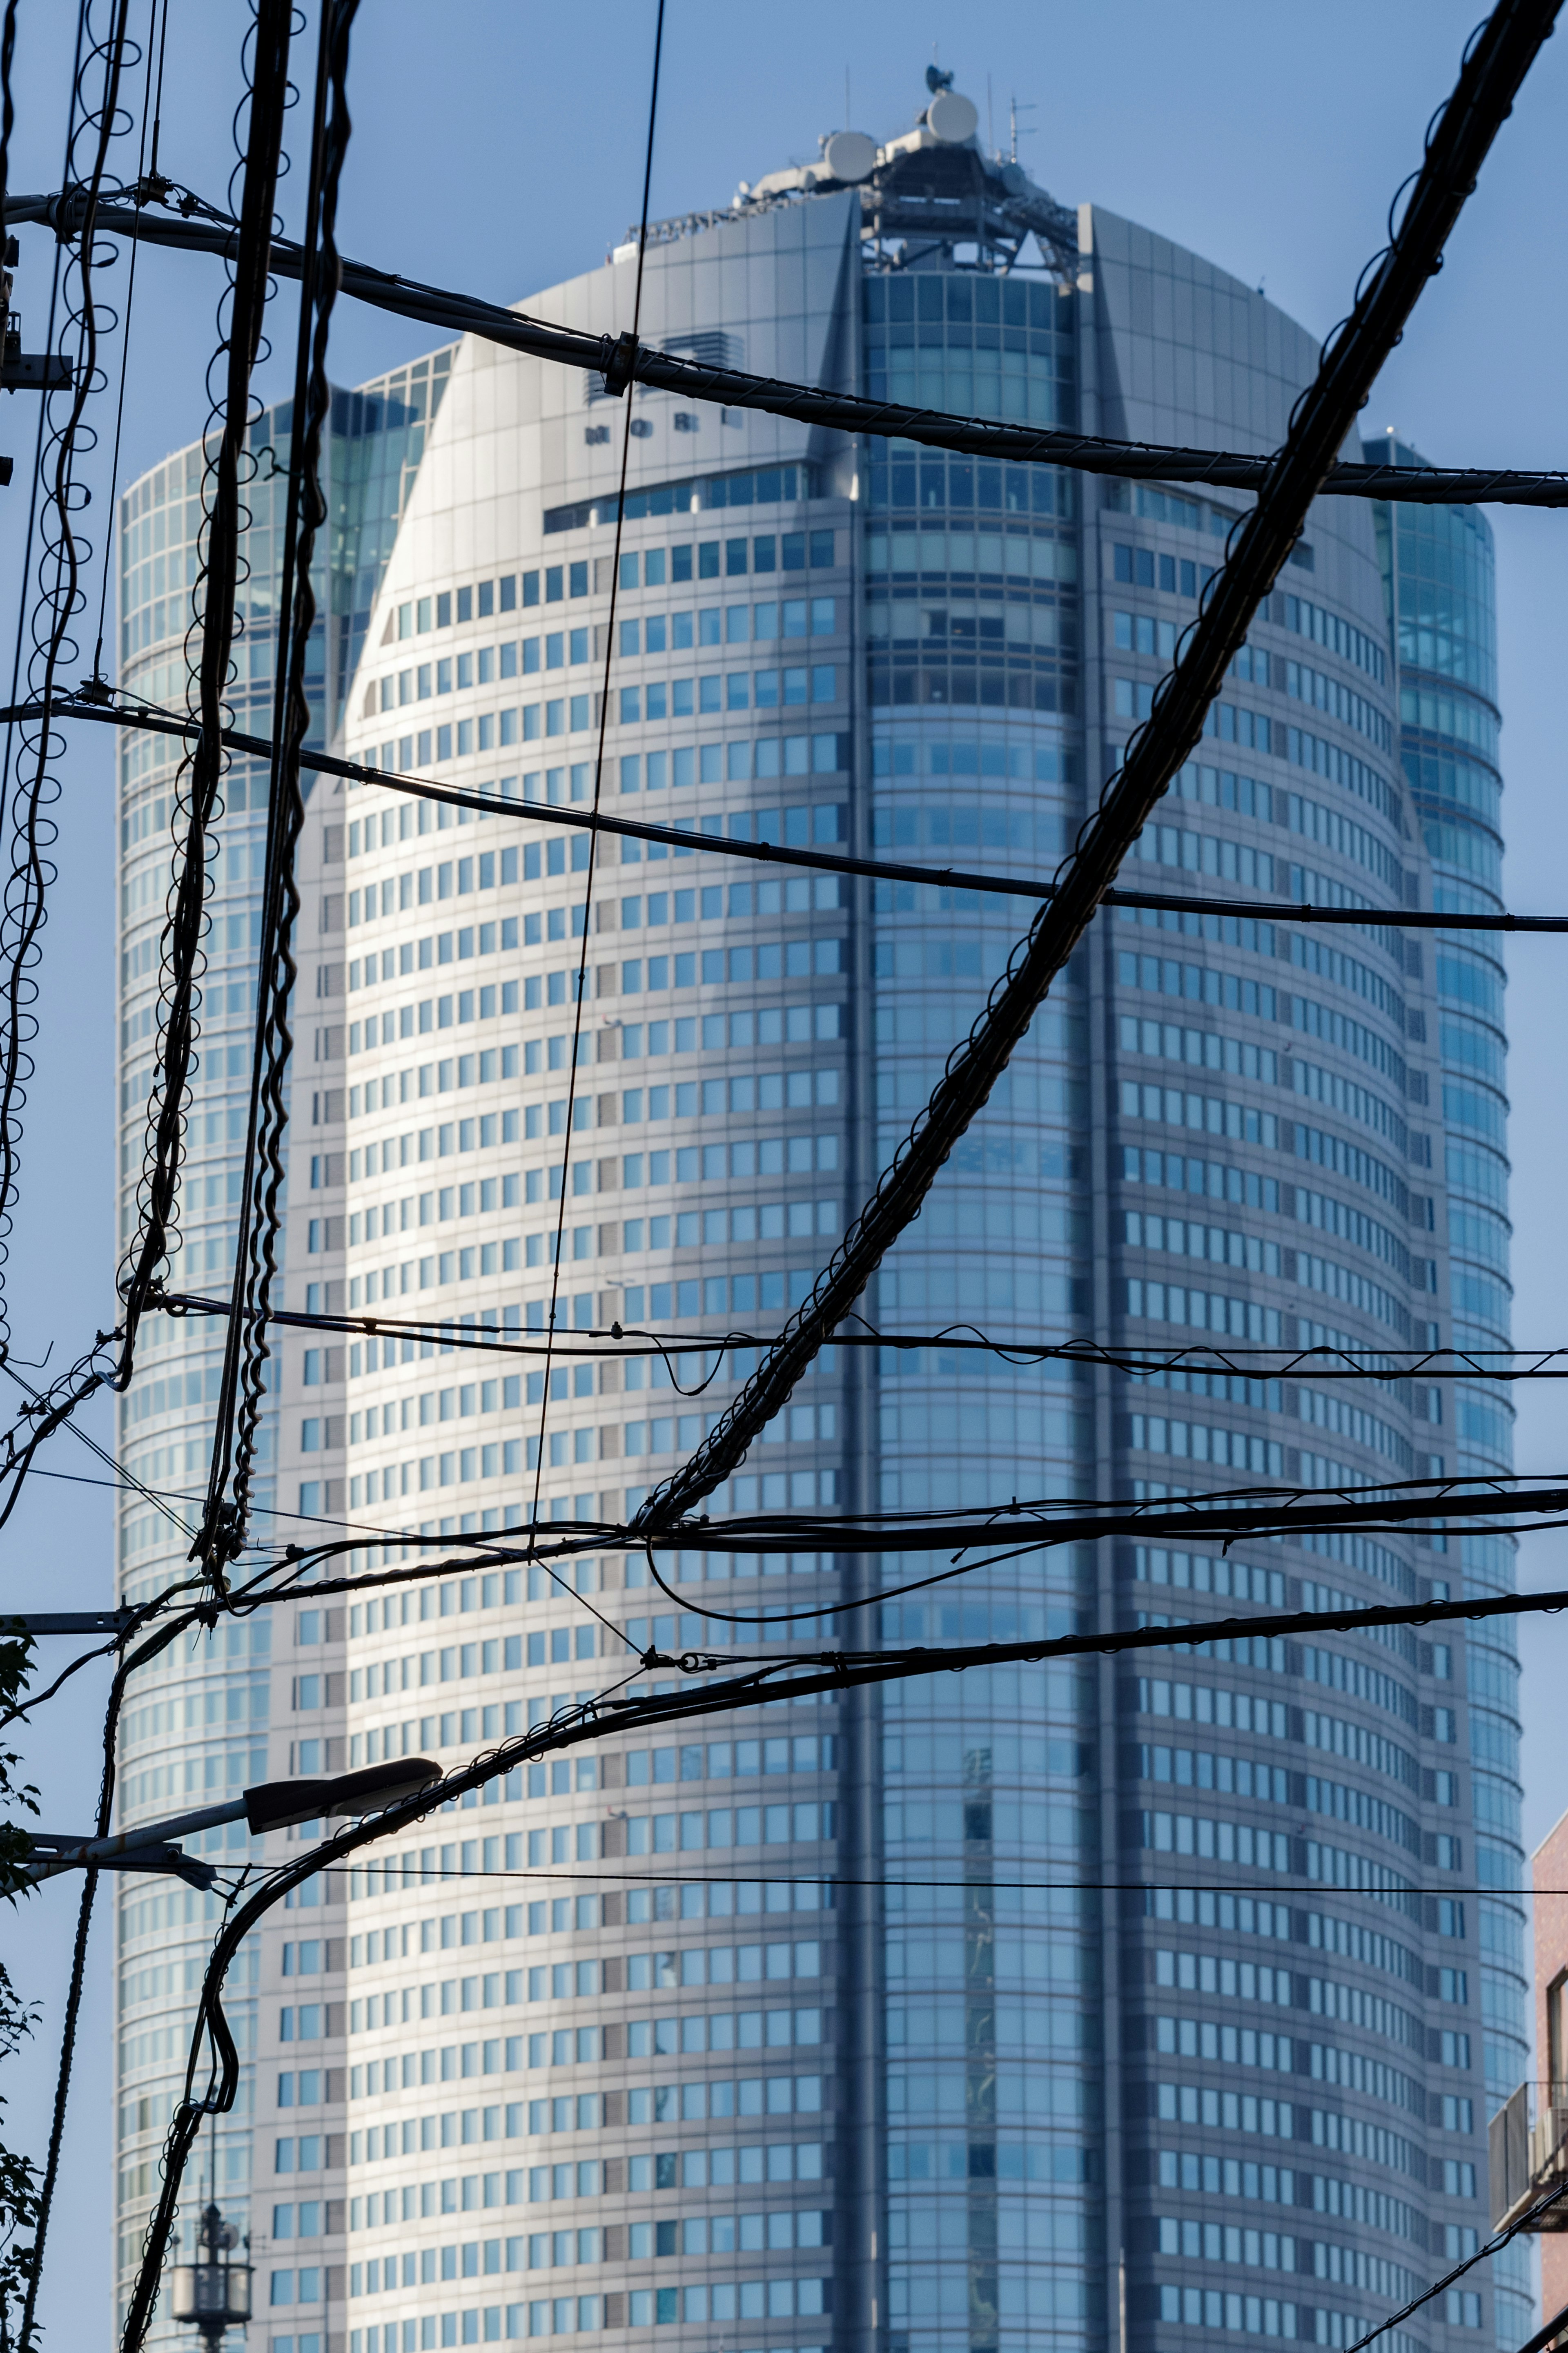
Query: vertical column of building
pixel 658 2055
pixel 196 1727
pixel 1274 1092
pixel 972 615
pixel 372 455
pixel 1439 568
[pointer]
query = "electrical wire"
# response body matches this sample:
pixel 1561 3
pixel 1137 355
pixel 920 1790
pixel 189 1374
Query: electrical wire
pixel 15 744
pixel 569 1728
pixel 214 600
pixel 598 790
pixel 47 1414
pixel 1180 1633
pixel 59 598
pixel 843 1671
pixel 623 360
pixel 1528 2220
pixel 242 1381
pixel 150 108
pixel 157 1642
pixel 687 841
pixel 1458 139
pixel 1382 1364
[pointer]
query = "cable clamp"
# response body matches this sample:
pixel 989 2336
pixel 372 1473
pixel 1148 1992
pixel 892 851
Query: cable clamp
pixel 620 361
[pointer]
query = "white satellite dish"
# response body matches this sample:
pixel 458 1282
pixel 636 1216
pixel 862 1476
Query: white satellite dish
pixel 952 118
pixel 849 155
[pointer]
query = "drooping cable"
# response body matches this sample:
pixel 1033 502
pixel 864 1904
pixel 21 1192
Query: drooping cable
pixel 159 1641
pixel 1458 142
pixel 568 1728
pixel 243 1377
pixel 598 791
pixel 217 588
pixel 149 106
pixel 684 838
pixel 623 362
pixel 1329 1361
pixel 60 597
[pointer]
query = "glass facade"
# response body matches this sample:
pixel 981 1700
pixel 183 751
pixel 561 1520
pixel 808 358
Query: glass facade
pixel 206 1722
pixel 1438 571
pixel 994 1975
pixel 914 2019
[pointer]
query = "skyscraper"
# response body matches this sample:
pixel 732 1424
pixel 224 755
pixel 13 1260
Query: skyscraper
pixel 204 1721
pixel 1076 2005
pixel 1439 568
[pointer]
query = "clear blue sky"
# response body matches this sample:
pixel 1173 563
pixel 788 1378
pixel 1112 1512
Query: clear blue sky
pixel 499 148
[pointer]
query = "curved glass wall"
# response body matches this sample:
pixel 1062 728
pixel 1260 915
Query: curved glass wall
pixel 995 2144
pixel 200 1723
pixel 830 2021
pixel 1439 569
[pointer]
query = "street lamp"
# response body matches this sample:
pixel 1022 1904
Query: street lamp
pixel 213 2293
pixel 268 1806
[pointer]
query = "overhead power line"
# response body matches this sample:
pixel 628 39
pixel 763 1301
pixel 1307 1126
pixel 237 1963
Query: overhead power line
pixel 615 1342
pixel 1460 135
pixel 213 632
pixel 686 839
pixel 242 1382
pixel 624 360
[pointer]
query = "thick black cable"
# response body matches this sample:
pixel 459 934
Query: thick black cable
pixel 242 1381
pixel 1458 143
pixel 686 840
pixel 217 589
pixel 568 1542
pixel 1559 2321
pixel 59 598
pixel 157 1642
pixel 623 363
pixel 1385 1364
pixel 581 991
pixel 1529 2221
pixel 10 758
pixel 570 1727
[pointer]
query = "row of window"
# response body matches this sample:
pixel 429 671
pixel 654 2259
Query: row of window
pixel 793 827
pixel 789 552
pixel 717 2168
pixel 712 625
pixel 776 2229
pixel 775 1156
pixel 1142 633
pixel 1209 1115
pixel 724 2031
pixel 563 1981
pixel 736 761
pixel 736 690
pixel 1202 1442
pixel 686 1229
pixel 987 555
pixel 687 1099
pixel 1163 1302
pixel 569 2315
pixel 679 631
pixel 723 1900
pixel 1207 985
pixel 694 2102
